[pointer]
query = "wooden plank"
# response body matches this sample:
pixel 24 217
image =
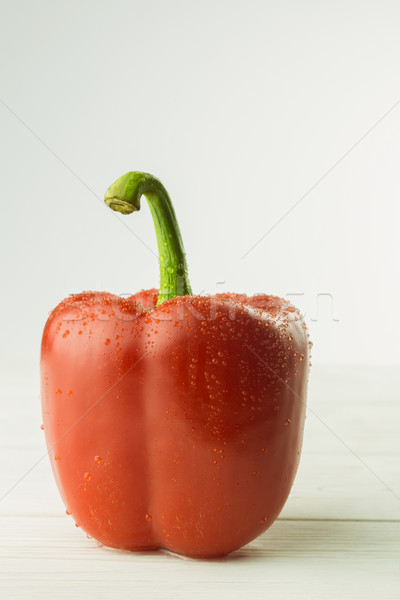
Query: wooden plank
pixel 338 535
pixel 48 557
pixel 350 468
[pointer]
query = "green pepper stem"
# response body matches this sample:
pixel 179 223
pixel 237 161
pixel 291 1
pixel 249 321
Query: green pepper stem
pixel 124 196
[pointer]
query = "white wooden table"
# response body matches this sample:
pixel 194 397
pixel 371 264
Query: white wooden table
pixel 337 537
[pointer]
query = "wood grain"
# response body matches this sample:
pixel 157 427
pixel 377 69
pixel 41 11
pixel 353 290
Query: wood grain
pixel 338 535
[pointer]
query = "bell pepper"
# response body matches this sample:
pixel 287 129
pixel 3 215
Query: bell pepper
pixel 173 420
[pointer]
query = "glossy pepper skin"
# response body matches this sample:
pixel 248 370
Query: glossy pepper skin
pixel 175 425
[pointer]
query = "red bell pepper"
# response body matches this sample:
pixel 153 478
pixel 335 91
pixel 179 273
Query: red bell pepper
pixel 173 420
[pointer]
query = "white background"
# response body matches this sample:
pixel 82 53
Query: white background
pixel 274 126
pixel 239 107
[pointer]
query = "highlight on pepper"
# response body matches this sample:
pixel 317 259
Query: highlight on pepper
pixel 173 420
